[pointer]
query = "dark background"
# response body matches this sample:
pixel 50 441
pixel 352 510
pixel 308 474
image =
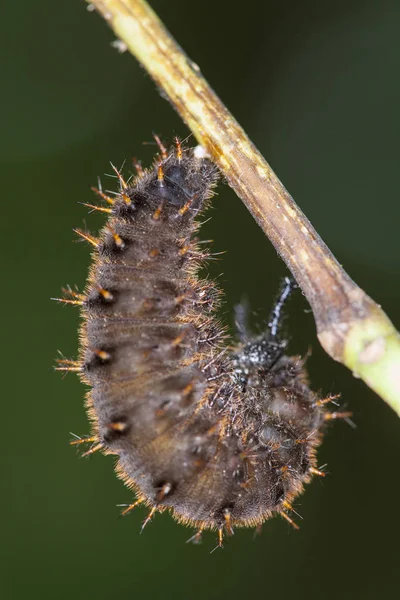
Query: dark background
pixel 316 86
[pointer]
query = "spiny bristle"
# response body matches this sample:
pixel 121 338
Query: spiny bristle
pixel 121 180
pixel 160 176
pixel 119 426
pixel 330 398
pixel 178 149
pixel 68 301
pixel 289 520
pixel 165 490
pixel 148 518
pixel 220 540
pixel 92 450
pixel 102 354
pixel 184 250
pixel 220 537
pixel 68 291
pixel 101 194
pixel 108 211
pixel 126 199
pixel 337 415
pixel 119 242
pixel 84 440
pixel 106 294
pixel 288 506
pixel 161 146
pixel 158 211
pixel 197 537
pixel 76 298
pixel 315 471
pixel 131 507
pixel 87 237
pixel 185 207
pixel 228 524
pixel 73 366
pixel 138 166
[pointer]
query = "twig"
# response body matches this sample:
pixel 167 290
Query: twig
pixel 351 327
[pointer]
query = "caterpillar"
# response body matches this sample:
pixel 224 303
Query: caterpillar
pixel 222 435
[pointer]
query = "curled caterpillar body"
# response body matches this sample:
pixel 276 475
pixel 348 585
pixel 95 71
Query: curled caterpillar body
pixel 222 437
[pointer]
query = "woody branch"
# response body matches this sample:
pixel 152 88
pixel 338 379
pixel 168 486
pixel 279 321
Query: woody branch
pixel 351 327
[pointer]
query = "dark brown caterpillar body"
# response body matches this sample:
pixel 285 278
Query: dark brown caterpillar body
pixel 223 438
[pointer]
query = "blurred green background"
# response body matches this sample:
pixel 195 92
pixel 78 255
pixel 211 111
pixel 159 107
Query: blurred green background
pixel 317 87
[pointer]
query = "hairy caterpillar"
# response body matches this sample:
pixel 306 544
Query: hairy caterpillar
pixel 221 436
